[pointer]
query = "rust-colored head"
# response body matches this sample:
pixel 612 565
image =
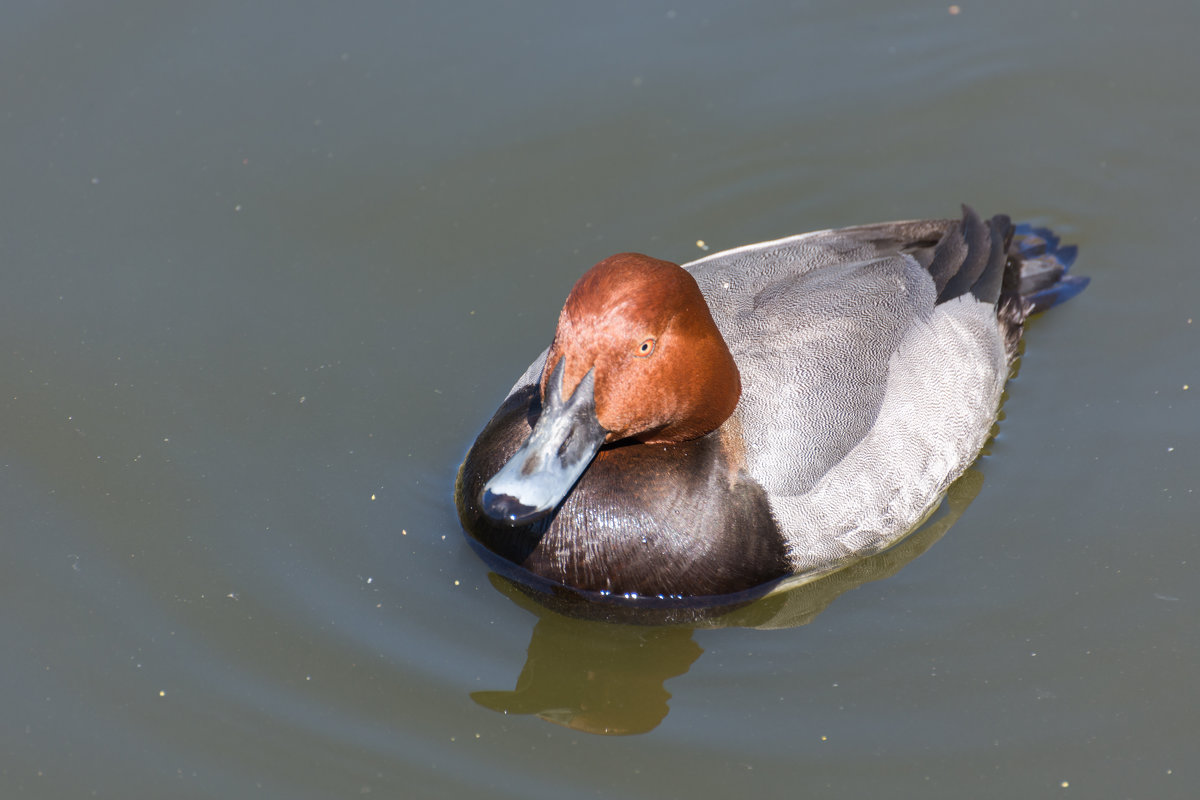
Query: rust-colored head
pixel 663 371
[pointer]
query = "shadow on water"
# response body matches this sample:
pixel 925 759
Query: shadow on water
pixel 595 676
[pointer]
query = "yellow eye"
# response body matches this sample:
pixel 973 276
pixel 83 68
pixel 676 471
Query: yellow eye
pixel 645 349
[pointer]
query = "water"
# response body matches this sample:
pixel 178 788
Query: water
pixel 268 271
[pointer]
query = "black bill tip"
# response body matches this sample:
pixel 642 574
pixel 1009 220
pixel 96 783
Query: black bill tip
pixel 506 508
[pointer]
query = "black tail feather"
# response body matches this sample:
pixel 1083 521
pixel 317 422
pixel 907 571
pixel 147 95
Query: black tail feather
pixel 1042 265
pixel 1021 268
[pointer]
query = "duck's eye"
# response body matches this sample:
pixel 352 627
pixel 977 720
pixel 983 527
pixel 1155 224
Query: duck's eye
pixel 645 348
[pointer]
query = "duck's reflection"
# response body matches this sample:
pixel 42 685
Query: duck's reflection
pixel 597 677
pixel 608 678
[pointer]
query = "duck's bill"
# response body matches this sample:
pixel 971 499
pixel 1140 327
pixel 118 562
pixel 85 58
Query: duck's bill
pixel 541 473
pixel 564 441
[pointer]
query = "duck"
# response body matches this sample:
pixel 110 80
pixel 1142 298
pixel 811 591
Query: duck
pixel 776 410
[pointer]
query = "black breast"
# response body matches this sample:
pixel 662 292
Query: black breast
pixel 670 520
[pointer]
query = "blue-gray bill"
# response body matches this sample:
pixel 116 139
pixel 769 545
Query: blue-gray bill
pixel 564 441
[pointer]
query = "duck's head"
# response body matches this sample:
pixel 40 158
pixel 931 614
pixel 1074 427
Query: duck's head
pixel 636 355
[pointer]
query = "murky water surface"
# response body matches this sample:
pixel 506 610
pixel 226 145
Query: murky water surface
pixel 266 273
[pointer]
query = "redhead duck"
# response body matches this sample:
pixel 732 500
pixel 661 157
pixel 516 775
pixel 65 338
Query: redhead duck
pixel 783 408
